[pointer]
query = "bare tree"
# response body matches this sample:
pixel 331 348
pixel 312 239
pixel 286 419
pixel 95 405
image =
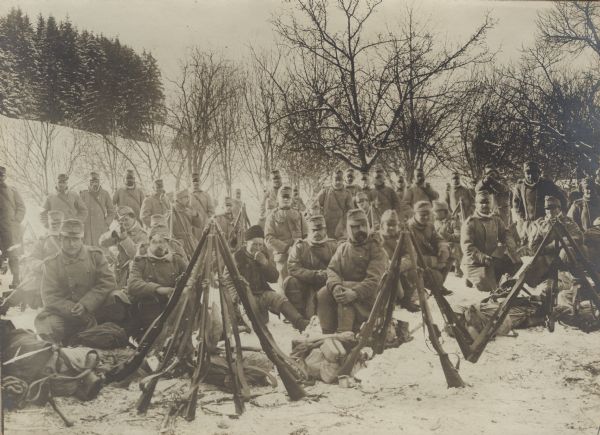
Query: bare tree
pixel 36 152
pixel 355 88
pixel 199 95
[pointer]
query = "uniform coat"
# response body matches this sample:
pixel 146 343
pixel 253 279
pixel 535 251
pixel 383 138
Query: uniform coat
pixel 13 210
pixel 69 203
pixel 100 215
pixel 335 203
pixel 416 193
pixel 282 227
pixel 203 204
pixel 499 193
pixel 383 198
pixel 584 212
pixel 480 237
pixel 154 204
pixel 130 197
pixel 307 263
pixel 528 200
pixel 455 194
pixel 185 221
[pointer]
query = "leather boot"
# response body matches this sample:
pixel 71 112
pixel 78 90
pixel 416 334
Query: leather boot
pixel 292 314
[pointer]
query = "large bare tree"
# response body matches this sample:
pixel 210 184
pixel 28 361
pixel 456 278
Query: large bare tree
pixel 347 93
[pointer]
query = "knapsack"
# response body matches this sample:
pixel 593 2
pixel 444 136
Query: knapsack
pixel 104 336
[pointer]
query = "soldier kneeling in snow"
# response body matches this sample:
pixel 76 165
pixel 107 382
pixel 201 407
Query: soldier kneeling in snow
pixel 76 285
pixel 352 278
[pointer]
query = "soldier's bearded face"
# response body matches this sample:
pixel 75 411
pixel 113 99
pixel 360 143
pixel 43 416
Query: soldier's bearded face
pixel 532 175
pixel 456 181
pixel 379 181
pixel 363 203
pixel 319 234
pixel 420 177
pixel 338 182
pixel 552 211
pixel 126 221
pixel 158 246
pixel 255 245
pixel 401 184
pixel 483 206
pixel 129 181
pixel 358 231
pixel 61 186
pixel 423 217
pixel 94 185
pixel 285 200
pixel 349 179
pixel 71 245
pixel 389 228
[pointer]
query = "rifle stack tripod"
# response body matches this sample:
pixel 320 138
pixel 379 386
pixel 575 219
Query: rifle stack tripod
pixel 187 311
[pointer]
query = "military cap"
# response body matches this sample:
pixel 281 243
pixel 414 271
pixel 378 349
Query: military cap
pixel 195 176
pixel 422 206
pixel 482 194
pixel 158 219
pixel 390 215
pixel 55 216
pixel 316 222
pixel 360 194
pixel 63 177
pixel 284 189
pixel 94 176
pixel 2 170
pixel 71 228
pixel 531 165
pixel 182 193
pixel 158 182
pixel 275 173
pixel 160 230
pixel 440 205
pixel 254 232
pixel 124 211
pixel 227 200
pixel 130 174
pixel 551 202
pixel 356 215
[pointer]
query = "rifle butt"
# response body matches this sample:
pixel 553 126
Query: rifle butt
pixel 293 388
pixel 452 376
pixel 190 406
pixel 143 402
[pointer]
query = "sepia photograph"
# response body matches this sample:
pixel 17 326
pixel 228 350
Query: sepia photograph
pixel 299 217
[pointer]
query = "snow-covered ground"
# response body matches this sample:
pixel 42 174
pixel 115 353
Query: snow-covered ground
pixel 537 383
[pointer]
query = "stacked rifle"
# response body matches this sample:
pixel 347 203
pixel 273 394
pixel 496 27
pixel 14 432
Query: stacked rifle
pixel 186 315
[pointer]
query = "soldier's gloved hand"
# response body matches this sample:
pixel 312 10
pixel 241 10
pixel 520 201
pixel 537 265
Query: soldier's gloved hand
pixel 345 296
pixel 165 291
pixel 261 258
pixel 78 310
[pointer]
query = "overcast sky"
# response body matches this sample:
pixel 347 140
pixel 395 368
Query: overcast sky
pixel 168 27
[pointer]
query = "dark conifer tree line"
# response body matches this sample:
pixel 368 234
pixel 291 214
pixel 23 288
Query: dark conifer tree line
pixel 51 71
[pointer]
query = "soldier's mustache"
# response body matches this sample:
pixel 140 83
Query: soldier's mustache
pixel 360 236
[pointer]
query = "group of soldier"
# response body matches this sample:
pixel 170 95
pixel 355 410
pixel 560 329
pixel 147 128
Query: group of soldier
pixel 117 259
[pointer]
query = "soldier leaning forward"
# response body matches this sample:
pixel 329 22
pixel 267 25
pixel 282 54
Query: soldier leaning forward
pixel 152 279
pixel 352 277
pixel 258 269
pixel 76 288
pixel 488 246
pixel 307 266
pixel 283 227
pixel 127 238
